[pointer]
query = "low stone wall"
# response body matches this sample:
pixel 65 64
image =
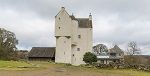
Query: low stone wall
pixel 123 66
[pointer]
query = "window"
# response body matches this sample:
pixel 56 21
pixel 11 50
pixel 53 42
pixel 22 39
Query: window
pixel 113 54
pixel 79 36
pixel 78 49
pixel 59 18
pixel 59 27
pixel 73 55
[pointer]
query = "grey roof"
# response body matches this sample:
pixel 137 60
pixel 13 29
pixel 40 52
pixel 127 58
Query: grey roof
pixel 115 49
pixel 83 22
pixel 72 17
pixel 42 52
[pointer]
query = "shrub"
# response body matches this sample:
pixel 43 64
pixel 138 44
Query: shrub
pixel 89 58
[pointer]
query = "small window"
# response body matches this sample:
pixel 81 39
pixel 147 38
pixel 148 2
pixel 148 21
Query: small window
pixel 113 54
pixel 59 27
pixel 73 55
pixel 59 18
pixel 79 36
pixel 78 49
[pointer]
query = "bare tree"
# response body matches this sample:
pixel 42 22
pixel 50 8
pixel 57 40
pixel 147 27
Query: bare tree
pixel 133 48
pixel 100 49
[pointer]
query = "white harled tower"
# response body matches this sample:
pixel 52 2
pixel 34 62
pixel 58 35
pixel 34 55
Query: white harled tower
pixel 73 37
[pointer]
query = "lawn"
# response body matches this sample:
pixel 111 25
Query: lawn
pixel 16 65
pixel 52 69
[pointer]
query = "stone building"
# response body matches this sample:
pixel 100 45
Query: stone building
pixel 73 37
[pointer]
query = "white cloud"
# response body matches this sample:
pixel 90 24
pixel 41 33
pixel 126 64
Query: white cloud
pixel 29 28
pixel 114 21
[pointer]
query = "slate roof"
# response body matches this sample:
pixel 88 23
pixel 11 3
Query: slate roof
pixel 83 22
pixel 42 52
pixel 115 49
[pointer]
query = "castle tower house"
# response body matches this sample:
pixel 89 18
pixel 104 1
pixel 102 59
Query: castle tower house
pixel 73 37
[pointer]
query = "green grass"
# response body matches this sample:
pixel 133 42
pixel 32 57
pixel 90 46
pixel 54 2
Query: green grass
pixel 13 65
pixel 16 65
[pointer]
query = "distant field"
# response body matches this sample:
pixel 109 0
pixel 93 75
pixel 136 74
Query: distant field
pixel 10 68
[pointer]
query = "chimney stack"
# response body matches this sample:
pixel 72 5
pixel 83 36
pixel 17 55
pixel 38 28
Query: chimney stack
pixel 62 8
pixel 90 17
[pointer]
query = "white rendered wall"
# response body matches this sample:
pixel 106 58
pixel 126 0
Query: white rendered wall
pixel 84 43
pixel 63 50
pixel 63 44
pixel 63 24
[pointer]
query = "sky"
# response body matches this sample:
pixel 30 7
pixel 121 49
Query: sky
pixel 114 21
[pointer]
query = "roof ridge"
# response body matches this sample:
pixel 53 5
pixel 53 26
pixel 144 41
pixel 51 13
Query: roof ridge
pixel 82 18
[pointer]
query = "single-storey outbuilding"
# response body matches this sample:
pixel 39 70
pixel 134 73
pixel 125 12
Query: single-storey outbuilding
pixel 42 54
